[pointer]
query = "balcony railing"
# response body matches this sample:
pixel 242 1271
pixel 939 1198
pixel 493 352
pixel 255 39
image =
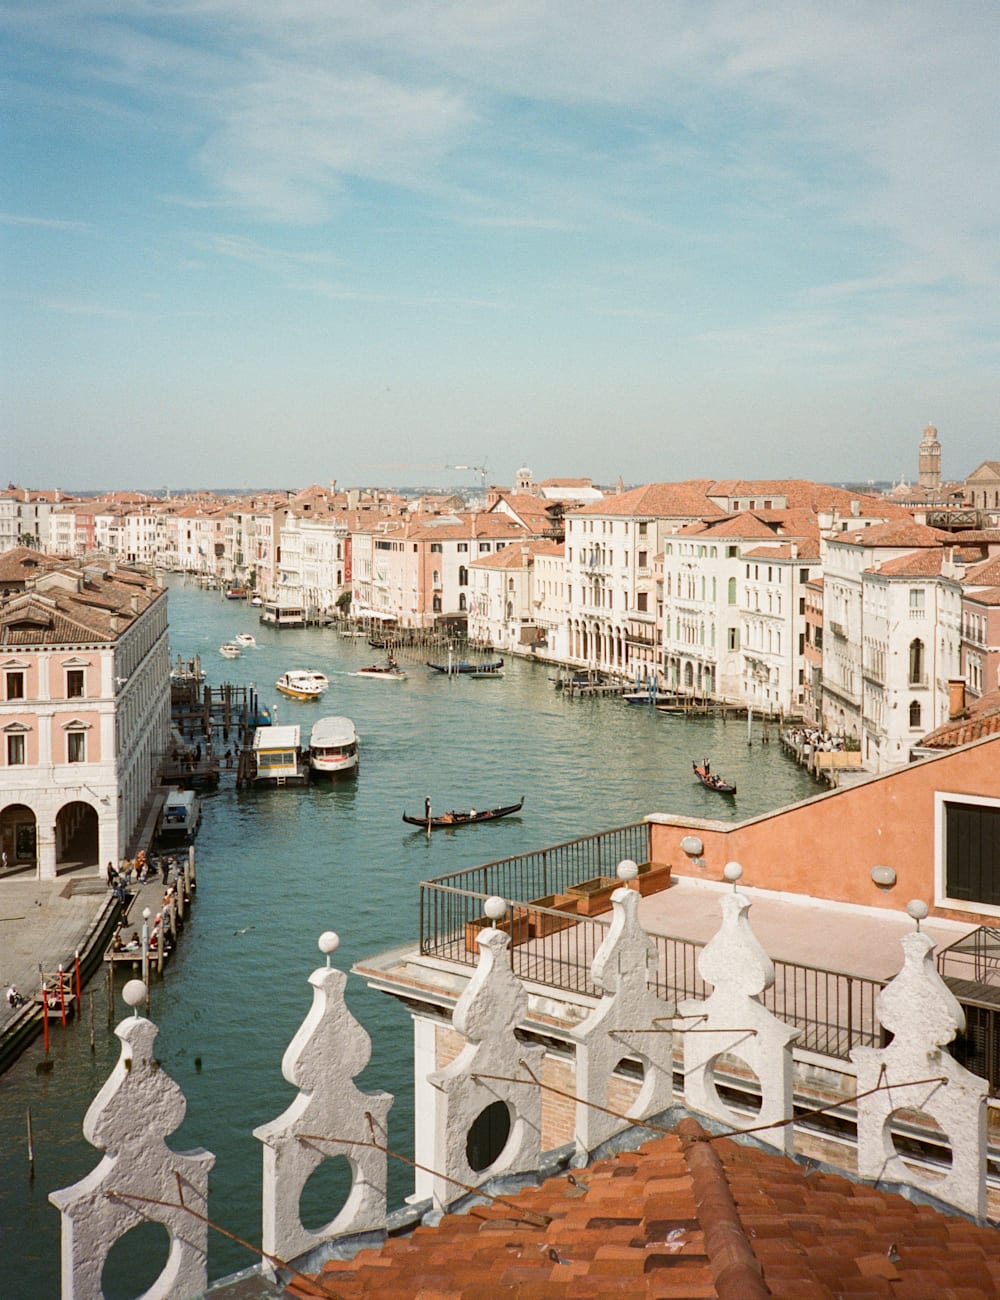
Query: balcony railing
pixel 552 944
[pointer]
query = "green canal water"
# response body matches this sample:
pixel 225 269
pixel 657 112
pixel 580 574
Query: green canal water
pixel 278 867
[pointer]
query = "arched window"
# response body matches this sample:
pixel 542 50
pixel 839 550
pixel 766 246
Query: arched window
pixel 437 605
pixel 510 610
pixel 914 713
pixel 732 591
pixel 916 663
pixel 461 600
pixel 463 576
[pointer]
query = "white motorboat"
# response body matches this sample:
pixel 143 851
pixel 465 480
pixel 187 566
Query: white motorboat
pixel 300 684
pixel 244 639
pixel 333 747
pixel 180 817
pixel 229 650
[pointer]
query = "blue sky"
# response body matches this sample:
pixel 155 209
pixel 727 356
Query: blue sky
pixel 281 241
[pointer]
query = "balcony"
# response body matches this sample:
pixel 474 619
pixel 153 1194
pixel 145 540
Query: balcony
pixel 554 944
pixel 838 629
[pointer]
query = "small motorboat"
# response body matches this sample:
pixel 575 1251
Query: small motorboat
pixel 245 638
pixel 710 781
pixel 301 684
pixel 230 650
pixel 256 601
pixel 445 821
pixel 390 671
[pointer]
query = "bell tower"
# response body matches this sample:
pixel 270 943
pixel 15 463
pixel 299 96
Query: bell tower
pixel 929 459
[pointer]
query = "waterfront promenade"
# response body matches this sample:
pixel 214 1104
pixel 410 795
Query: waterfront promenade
pixel 44 924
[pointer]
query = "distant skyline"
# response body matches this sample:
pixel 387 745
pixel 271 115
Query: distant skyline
pixel 289 241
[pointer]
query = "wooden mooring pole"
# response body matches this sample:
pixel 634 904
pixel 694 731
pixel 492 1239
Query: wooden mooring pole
pixel 31 1145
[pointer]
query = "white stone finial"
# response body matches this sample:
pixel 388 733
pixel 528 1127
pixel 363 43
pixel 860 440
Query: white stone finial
pixel 627 870
pixel 916 1072
pixel 329 942
pixel 495 908
pixel 624 1023
pixel 734 1020
pixel 917 910
pixel 492 1004
pixel 732 872
pixel 140 1177
pixel 133 993
pixel 329 1049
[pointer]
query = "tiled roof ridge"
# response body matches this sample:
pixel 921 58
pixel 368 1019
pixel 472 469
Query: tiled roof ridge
pixel 736 1271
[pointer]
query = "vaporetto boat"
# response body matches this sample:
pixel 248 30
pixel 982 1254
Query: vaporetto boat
pixel 333 747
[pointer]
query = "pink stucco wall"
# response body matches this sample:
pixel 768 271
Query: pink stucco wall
pixel 827 846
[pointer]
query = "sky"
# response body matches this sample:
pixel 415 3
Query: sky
pixel 276 242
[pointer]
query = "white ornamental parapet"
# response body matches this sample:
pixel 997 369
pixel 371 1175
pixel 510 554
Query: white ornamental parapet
pixel 484 1124
pixel 918 1074
pixel 329 1049
pixel 139 1178
pixel 733 1021
pixel 629 1020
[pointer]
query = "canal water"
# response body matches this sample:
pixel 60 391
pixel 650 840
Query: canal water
pixel 278 867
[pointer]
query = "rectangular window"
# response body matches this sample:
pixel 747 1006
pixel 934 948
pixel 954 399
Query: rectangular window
pixel 972 852
pixel 643 559
pixel 463 546
pixel 640 602
pixel 15 684
pixel 15 751
pixel 74 683
pixel 642 530
pixel 484 546
pixel 916 599
pixel 76 747
pixel 734 638
pixel 435 547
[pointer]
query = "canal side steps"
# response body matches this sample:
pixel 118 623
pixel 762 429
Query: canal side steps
pixel 482 1112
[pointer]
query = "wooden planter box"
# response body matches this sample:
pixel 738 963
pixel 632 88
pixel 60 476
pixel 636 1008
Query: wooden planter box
pixel 516 927
pixel 595 894
pixel 541 923
pixel 652 877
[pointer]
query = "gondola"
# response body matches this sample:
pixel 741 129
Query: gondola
pixel 465 668
pixel 450 819
pixel 712 782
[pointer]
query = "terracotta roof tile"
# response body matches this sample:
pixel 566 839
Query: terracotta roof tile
pixel 750 1223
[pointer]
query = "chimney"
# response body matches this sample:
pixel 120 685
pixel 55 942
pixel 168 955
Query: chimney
pixel 855 508
pixel 956 697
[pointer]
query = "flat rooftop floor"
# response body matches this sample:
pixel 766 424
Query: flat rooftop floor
pixel 813 932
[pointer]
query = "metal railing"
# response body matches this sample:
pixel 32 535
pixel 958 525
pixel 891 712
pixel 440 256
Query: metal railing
pixel 544 871
pixel 553 945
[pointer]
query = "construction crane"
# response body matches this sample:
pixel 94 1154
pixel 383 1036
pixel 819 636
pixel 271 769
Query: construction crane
pixel 481 470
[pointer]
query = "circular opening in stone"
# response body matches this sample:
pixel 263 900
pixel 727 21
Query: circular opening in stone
pixel 135 1261
pixel 736 1083
pixel 488 1136
pixel 325 1193
pixel 920 1141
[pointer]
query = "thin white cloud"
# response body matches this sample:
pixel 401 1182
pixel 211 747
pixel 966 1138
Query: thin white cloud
pixel 46 223
pixel 66 307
